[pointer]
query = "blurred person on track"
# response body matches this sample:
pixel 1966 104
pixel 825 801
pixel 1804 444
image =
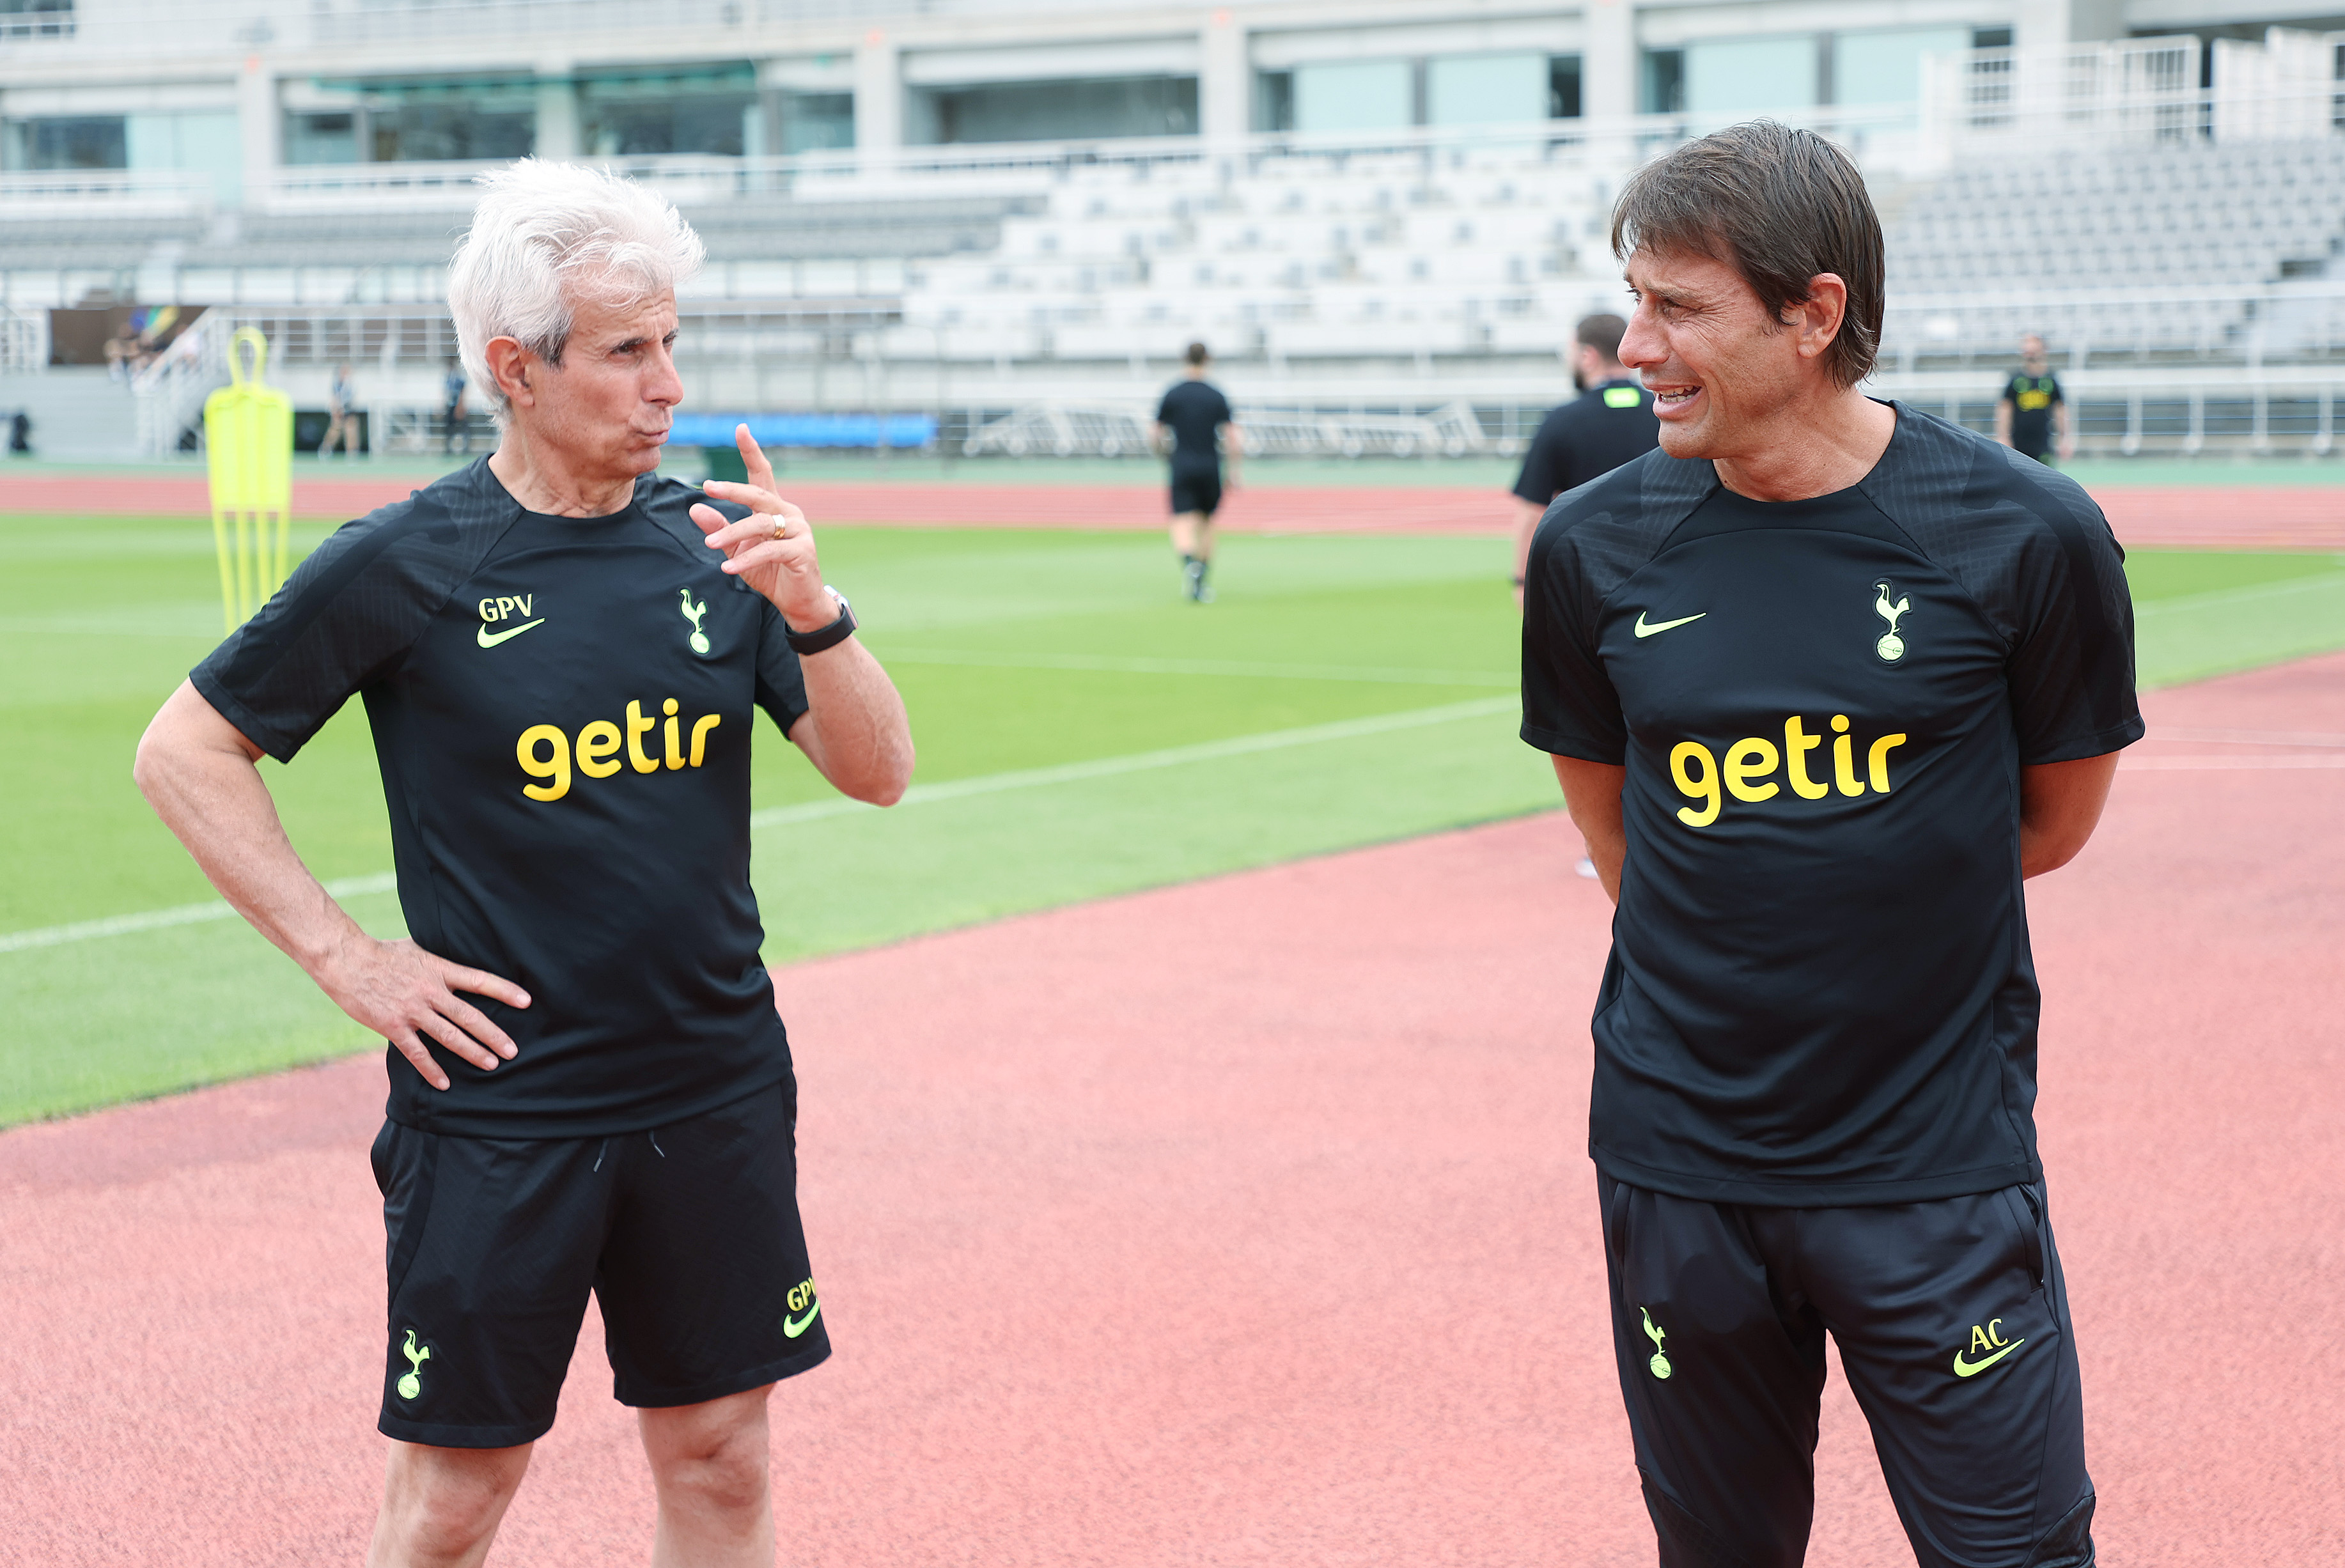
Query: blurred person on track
pixel 2032 416
pixel 1198 420
pixel 340 425
pixel 1610 423
pixel 457 437
pixel 1825 679
pixel 562 656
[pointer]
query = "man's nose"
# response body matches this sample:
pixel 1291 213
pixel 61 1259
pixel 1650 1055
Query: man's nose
pixel 665 386
pixel 1641 345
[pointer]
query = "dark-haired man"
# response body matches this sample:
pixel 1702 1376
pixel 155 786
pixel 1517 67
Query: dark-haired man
pixel 1610 423
pixel 1197 418
pixel 1825 679
pixel 2032 416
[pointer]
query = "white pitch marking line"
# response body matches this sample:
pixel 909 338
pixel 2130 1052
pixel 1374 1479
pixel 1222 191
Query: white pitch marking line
pixel 815 811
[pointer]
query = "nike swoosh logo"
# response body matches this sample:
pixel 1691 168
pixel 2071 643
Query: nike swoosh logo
pixel 793 1327
pixel 488 642
pixel 1963 1368
pixel 1645 630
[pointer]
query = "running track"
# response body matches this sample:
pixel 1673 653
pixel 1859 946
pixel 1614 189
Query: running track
pixel 1246 1222
pixel 2246 518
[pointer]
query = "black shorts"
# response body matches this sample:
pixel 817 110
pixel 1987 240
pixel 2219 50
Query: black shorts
pixel 1952 1325
pixel 1196 490
pixel 688 1236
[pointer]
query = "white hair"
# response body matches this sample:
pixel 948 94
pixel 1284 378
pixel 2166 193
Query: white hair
pixel 547 236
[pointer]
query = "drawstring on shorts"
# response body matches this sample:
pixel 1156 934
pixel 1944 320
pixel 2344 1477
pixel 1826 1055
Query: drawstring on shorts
pixel 598 1153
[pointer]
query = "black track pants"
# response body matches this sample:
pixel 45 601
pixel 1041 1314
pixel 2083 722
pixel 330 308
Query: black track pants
pixel 1952 1324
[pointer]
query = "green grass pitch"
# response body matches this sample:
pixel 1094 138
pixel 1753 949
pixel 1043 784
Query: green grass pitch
pixel 1082 731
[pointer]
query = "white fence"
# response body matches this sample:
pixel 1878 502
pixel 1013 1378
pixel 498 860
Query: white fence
pixel 1122 430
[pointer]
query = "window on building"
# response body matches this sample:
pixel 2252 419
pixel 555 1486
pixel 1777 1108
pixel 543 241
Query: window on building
pixel 79 141
pixel 1990 38
pixel 417 120
pixel 1082 109
pixel 1885 67
pixel 702 110
pixel 1733 78
pixel 1486 89
pixel 1354 95
pixel 314 138
pixel 1661 89
pixel 1274 100
pixel 1563 88
pixel 36 18
pixel 429 132
pixel 817 122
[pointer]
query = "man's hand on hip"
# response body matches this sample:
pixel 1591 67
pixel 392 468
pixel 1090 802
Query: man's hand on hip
pixel 772 548
pixel 405 994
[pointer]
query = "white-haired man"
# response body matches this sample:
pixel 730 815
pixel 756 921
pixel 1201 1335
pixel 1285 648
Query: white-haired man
pixel 560 658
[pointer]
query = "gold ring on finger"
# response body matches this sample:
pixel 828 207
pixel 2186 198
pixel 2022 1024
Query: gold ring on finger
pixel 781 526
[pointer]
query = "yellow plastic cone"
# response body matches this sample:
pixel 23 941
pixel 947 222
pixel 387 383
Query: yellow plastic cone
pixel 248 429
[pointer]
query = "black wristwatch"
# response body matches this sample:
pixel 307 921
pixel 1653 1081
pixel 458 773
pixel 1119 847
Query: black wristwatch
pixel 822 637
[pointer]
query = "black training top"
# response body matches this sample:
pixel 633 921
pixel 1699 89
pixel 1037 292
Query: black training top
pixel 1609 424
pixel 561 709
pixel 1194 411
pixel 1820 992
pixel 2031 399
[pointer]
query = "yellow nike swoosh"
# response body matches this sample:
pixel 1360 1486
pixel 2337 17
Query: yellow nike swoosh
pixel 1645 630
pixel 488 642
pixel 793 1327
pixel 1963 1368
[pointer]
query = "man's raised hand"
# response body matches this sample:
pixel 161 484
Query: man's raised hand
pixel 405 994
pixel 772 548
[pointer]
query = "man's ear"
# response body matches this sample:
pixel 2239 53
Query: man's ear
pixel 1818 317
pixel 509 365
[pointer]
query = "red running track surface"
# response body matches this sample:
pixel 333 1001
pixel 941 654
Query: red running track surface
pixel 2248 518
pixel 1247 1222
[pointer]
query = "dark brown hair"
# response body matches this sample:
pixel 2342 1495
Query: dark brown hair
pixel 1603 334
pixel 1196 355
pixel 1777 205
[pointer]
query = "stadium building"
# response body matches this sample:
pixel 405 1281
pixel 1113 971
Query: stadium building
pixel 998 222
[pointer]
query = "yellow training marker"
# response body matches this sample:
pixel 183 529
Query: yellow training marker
pixel 248 429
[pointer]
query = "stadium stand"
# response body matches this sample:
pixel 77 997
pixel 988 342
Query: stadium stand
pixel 2164 211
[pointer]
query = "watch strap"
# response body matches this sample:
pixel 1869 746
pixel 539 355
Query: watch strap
pixel 822 637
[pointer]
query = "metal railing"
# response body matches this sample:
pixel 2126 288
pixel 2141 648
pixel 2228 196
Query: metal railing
pixel 1108 429
pixel 170 392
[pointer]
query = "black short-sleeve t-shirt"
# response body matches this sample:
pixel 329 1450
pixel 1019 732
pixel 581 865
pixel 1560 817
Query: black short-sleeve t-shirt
pixel 1820 991
pixel 2032 399
pixel 1194 411
pixel 1609 424
pixel 561 708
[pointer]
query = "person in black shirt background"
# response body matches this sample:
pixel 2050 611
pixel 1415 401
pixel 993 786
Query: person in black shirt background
pixel 562 656
pixel 1824 679
pixel 1610 423
pixel 1194 413
pixel 2032 417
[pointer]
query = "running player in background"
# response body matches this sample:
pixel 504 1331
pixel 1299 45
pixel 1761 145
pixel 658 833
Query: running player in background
pixel 616 1114
pixel 1610 423
pixel 1194 412
pixel 2032 417
pixel 1825 679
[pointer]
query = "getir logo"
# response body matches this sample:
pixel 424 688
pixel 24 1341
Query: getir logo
pixel 1748 769
pixel 545 753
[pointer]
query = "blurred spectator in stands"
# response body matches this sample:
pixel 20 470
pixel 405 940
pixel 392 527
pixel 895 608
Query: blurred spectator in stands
pixel 1610 423
pixel 20 435
pixel 340 427
pixel 455 386
pixel 120 350
pixel 2033 417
